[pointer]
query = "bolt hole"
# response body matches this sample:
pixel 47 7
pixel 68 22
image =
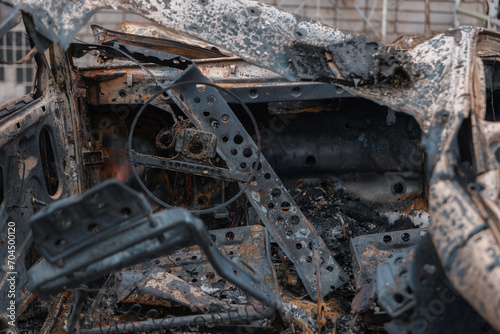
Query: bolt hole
pixel 298 246
pixel 125 212
pixel 310 160
pixel 93 228
pixel 197 100
pixel 253 93
pixel 296 91
pixel 276 192
pixel 329 268
pixel 229 236
pixel 398 188
pixel 285 206
pixel 225 139
pixel 247 152
pixel 399 298
pixel 295 220
pixel 238 139
pixel 211 99
pixel 195 146
pixel 234 151
pixel 267 176
pixel 270 205
pixel 259 167
pixel 405 237
pixel 206 113
pixel 387 239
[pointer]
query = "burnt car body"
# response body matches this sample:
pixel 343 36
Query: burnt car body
pixel 362 177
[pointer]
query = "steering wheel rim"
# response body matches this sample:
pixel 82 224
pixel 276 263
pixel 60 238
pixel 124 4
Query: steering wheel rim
pixel 255 168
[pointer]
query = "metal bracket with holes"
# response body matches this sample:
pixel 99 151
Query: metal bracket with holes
pixel 208 110
pixel 371 250
pixel 188 167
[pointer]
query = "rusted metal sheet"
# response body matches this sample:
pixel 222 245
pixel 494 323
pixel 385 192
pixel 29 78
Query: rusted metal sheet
pixel 191 49
pixel 158 287
pixel 191 265
pixel 157 31
pixel 369 251
pixel 58 315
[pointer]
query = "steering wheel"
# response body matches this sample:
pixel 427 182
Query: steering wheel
pixel 190 165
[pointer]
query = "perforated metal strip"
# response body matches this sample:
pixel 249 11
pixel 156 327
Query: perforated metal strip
pixel 275 206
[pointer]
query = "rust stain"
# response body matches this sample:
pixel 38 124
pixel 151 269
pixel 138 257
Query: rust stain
pixel 372 251
pixel 332 309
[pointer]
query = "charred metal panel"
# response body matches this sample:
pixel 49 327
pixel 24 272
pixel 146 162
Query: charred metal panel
pixel 123 233
pixel 248 244
pixel 259 33
pixel 372 250
pixel 38 167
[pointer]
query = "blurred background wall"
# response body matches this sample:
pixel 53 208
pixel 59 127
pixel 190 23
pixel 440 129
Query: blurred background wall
pixel 380 20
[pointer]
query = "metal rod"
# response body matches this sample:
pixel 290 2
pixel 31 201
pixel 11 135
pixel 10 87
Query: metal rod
pixel 427 15
pixel 384 21
pixel 195 320
pixel 492 13
pixel 457 17
pixel 471 13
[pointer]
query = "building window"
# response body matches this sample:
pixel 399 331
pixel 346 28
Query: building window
pixel 14 46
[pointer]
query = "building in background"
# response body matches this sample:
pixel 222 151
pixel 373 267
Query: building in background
pixel 380 20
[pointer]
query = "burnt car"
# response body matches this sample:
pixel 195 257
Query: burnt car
pixel 237 168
